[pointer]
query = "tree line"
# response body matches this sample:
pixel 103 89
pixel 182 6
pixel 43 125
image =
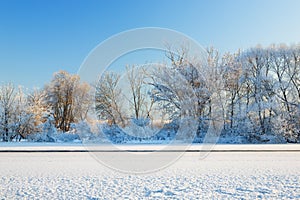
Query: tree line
pixel 259 87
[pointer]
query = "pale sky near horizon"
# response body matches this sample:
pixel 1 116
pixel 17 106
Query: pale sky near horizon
pixel 40 37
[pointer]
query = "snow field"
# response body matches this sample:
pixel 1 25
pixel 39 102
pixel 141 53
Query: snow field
pixel 221 175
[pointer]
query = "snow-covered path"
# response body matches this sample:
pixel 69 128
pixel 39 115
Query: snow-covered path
pixel 248 175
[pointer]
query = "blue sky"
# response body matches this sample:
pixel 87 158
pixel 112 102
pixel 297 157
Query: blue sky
pixel 40 37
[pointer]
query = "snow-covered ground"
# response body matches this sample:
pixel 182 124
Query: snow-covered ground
pixel 76 175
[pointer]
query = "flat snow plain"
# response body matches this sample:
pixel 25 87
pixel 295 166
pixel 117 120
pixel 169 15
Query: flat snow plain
pixel 220 175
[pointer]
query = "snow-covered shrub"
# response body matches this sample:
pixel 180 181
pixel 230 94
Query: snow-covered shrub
pixel 48 132
pixel 84 131
pixel 67 137
pixel 115 134
pixel 168 132
pixel 141 128
pixel 41 137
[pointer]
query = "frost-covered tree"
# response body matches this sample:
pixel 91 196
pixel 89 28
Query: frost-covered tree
pixel 135 78
pixel 187 79
pixel 22 119
pixel 16 119
pixel 259 89
pixel 63 96
pixel 7 98
pixel 38 107
pixel 108 99
pixel 82 102
pixel 172 84
pixel 232 73
pixel 140 102
pixel 285 67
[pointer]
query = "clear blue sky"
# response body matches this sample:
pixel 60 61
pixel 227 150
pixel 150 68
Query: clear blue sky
pixel 39 37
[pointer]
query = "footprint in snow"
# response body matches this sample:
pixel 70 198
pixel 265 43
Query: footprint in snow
pixel 169 193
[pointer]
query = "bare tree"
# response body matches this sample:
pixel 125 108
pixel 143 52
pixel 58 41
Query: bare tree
pixel 38 106
pixel 232 72
pixel 108 99
pixel 62 97
pixel 22 119
pixel 285 65
pixel 139 99
pixel 82 102
pixel 7 98
pixel 260 89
